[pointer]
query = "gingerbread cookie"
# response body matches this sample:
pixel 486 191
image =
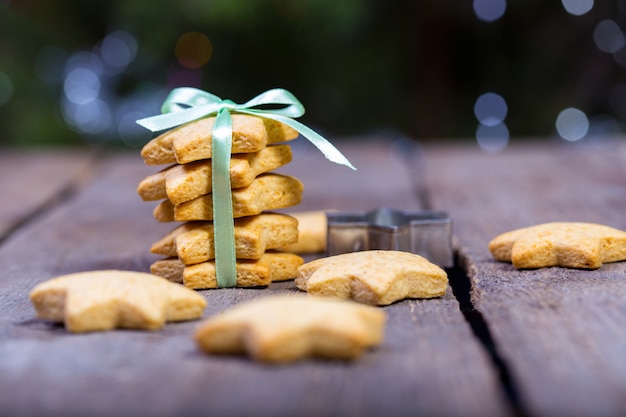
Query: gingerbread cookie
pixel 272 266
pixel 564 244
pixel 103 300
pixel 374 277
pixel 193 242
pixel 287 328
pixel 311 233
pixel 267 192
pixel 192 141
pixel 180 183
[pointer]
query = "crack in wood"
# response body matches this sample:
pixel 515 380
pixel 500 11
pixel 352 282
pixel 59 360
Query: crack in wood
pixel 461 288
pixel 410 154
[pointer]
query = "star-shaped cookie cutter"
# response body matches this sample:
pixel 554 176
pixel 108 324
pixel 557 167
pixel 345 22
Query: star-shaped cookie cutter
pixel 426 232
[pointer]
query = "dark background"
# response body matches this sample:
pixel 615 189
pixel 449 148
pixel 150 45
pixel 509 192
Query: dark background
pixel 412 68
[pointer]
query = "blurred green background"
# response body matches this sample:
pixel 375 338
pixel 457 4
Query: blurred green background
pixel 79 71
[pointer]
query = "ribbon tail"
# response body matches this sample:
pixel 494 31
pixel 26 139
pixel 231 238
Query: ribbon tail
pixel 328 149
pixel 223 223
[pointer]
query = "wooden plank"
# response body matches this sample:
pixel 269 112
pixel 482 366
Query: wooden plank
pixel 33 180
pixel 429 363
pixel 560 331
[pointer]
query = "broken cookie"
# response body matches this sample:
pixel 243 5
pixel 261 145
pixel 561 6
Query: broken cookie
pixel 104 300
pixel 286 328
pixel 564 244
pixel 377 277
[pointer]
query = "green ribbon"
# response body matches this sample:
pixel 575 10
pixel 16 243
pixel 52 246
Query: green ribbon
pixel 184 105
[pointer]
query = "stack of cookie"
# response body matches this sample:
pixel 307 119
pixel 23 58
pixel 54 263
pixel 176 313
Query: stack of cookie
pixel 185 188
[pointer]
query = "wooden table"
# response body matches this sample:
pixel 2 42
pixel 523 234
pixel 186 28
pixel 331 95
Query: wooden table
pixel 501 342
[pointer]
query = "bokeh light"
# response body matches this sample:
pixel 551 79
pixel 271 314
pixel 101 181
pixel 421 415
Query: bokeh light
pixel 489 10
pixel 193 50
pixel 90 103
pixel 6 88
pixel 81 85
pixel 108 53
pixel 118 50
pixel 91 117
pixel 608 36
pixel 492 134
pixel 490 109
pixel 572 124
pixel 83 59
pixel 492 139
pixel 577 7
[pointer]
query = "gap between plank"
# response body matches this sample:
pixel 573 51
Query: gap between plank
pixel 410 154
pixel 461 288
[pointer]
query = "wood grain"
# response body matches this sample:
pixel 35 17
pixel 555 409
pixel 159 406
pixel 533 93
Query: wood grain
pixel 561 331
pixel 33 180
pixel 429 364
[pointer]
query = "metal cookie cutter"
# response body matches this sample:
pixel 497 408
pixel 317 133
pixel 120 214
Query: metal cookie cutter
pixel 427 233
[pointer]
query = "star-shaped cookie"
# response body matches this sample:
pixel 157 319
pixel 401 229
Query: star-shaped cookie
pixel 377 277
pixel 192 141
pixel 193 242
pixel 268 191
pixel 180 183
pixel 270 267
pixel 286 328
pixel 569 245
pixel 103 300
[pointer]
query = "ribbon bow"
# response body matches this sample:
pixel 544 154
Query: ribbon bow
pixel 184 105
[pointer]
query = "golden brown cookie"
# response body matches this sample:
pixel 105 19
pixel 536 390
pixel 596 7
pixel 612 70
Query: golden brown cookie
pixel 267 192
pixel 193 242
pixel 103 300
pixel 564 244
pixel 311 233
pixel 286 328
pixel 272 266
pixel 180 183
pixel 192 141
pixel 374 277
pixel 171 269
